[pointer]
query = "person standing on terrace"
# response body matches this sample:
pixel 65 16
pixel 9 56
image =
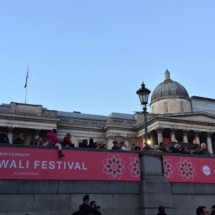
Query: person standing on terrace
pixel 124 147
pixel 162 148
pixel 115 145
pixel 40 141
pixel 67 140
pixel 19 140
pixel 204 150
pixel 53 141
pixel 33 142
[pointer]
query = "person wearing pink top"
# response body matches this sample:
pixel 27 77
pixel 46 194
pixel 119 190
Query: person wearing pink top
pixel 53 141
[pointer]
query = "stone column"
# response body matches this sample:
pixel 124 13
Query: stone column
pixel 152 137
pixel 185 139
pixel 197 137
pixel 160 135
pixel 110 142
pixel 172 135
pixel 37 132
pixel 127 142
pixel 10 135
pixel 209 143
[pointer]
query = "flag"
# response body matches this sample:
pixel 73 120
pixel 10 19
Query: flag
pixel 26 80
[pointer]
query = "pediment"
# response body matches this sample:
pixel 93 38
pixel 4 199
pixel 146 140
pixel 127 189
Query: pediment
pixel 196 117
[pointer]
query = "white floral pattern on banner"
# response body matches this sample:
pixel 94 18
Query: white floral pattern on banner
pixel 186 169
pixel 168 168
pixel 114 166
pixel 134 167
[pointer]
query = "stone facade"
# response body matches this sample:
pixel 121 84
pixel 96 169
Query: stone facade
pixel 174 117
pixel 35 120
pixel 203 104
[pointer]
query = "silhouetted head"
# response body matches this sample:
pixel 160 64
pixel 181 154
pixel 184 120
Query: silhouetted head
pixel 201 210
pixel 86 199
pixel 161 209
pixel 54 130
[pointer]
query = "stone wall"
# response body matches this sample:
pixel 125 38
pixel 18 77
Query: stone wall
pixel 203 104
pixel 64 197
pixel 22 197
pixel 178 198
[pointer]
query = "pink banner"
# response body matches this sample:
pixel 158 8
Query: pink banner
pixel 189 169
pixel 44 164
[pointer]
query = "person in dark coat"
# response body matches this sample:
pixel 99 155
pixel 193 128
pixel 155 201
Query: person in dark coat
pixel 86 208
pixel 196 150
pixel 115 145
pixel 92 144
pixel 176 148
pixel 213 210
pixel 161 210
pixel 4 138
pixel 184 150
pixel 204 150
pixel 85 204
pixel 162 148
pixel 84 144
pixel 87 211
pixel 202 210
pixel 147 147
pixel 137 149
pixel 19 140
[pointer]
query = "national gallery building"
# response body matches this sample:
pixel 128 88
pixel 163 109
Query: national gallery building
pixel 174 116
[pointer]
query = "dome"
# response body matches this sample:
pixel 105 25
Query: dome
pixel 169 89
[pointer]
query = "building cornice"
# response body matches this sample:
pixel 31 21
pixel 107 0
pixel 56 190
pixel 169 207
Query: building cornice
pixel 28 118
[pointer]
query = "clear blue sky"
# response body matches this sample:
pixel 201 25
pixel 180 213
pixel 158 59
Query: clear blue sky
pixel 92 55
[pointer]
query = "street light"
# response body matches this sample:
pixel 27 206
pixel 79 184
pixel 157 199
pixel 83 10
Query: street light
pixel 143 94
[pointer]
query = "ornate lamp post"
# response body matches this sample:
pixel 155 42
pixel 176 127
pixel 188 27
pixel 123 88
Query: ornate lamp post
pixel 143 94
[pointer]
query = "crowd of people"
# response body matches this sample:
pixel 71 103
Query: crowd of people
pixel 119 146
pixel 51 139
pixel 201 210
pixel 176 148
pixel 88 207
